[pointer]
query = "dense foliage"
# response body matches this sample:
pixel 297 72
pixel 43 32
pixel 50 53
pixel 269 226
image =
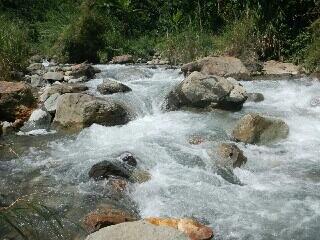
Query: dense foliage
pixel 96 30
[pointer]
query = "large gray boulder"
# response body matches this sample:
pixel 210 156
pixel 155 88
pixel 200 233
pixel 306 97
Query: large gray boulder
pixel 207 92
pixel 221 66
pixel 77 110
pixel 110 86
pixel 39 119
pixel 256 129
pixel 138 230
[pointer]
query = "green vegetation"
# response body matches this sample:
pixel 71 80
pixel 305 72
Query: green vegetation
pixel 96 30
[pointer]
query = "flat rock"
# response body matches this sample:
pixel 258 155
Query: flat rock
pixel 123 59
pixel 53 76
pixel 139 230
pixel 62 89
pixel 280 68
pixel 256 129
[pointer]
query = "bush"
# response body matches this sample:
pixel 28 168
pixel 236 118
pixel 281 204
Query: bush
pixel 185 46
pixel 14 46
pixel 312 54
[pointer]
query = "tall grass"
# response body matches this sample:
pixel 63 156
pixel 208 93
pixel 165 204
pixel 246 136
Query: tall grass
pixel 14 47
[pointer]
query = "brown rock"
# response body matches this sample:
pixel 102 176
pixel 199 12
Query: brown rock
pixel 280 68
pixel 256 129
pixel 193 229
pixel 221 66
pixel 232 154
pixel 122 59
pixel 107 215
pixel 16 101
pixel 196 140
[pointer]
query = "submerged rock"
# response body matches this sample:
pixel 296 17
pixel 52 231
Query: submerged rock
pixel 193 229
pixel 16 101
pixel 77 110
pixel 129 159
pixel 106 169
pixel 255 97
pixel 110 86
pixel 231 155
pixel 220 66
pixel 207 92
pixel 138 230
pixel 256 129
pixel 107 215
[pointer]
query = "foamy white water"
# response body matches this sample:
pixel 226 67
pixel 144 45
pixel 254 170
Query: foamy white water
pixel 280 193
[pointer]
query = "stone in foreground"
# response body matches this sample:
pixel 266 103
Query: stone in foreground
pixel 231 155
pixel 110 87
pixel 256 129
pixel 77 110
pixel 207 92
pixel 193 229
pixel 16 101
pixel 139 230
pixel 107 215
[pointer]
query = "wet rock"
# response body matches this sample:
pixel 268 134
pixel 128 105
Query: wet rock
pixel 129 159
pixel 193 229
pixel 255 97
pixel 39 119
pixel 256 129
pixel 110 86
pixel 106 169
pixel 51 103
pixel 107 215
pixel 123 59
pixel 220 66
pixel 196 140
pixel 118 184
pixel 16 101
pixel 53 76
pixel 140 176
pixel 77 110
pixel 281 69
pixel 207 92
pixel 138 230
pixel 315 102
pixel 62 89
pixel 231 155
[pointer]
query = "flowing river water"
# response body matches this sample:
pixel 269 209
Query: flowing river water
pixel 279 194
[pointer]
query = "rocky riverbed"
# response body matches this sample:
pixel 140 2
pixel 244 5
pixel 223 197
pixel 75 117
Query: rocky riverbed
pixel 202 152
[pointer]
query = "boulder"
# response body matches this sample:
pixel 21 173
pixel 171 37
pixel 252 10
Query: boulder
pixel 62 89
pixel 220 66
pixel 37 81
pixel 256 129
pixel 106 169
pixel 207 92
pixel 231 155
pixel 39 119
pixel 77 110
pixel 107 215
pixel 51 103
pixel 16 101
pixel 275 68
pixel 193 229
pixel 110 86
pixel 83 69
pixel 138 230
pixel 123 59
pixel 53 76
pixel 315 102
pixel 35 67
pixel 255 97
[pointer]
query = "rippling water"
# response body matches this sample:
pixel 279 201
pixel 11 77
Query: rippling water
pixel 279 197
